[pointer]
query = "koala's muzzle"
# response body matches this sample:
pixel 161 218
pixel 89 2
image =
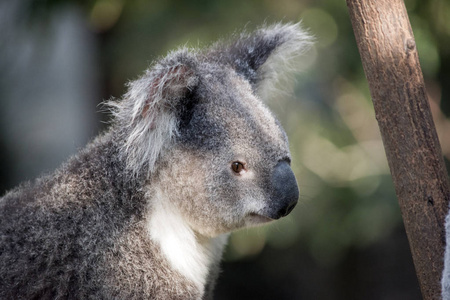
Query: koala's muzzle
pixel 285 192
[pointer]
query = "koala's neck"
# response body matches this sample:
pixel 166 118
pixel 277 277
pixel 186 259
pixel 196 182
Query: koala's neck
pixel 192 255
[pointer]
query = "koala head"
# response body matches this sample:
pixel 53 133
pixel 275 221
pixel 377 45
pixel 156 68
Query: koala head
pixel 196 126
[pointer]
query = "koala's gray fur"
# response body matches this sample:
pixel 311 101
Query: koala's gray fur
pixel 446 273
pixel 144 211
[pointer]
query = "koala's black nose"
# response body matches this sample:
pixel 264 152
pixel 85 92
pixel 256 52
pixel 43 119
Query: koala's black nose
pixel 284 190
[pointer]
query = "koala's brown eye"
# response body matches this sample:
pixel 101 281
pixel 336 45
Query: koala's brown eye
pixel 237 167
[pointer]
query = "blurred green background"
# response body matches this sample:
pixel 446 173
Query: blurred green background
pixel 345 240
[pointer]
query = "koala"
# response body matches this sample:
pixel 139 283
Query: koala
pixel 446 273
pixel 144 211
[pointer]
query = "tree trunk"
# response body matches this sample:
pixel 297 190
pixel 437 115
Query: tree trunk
pixel 391 64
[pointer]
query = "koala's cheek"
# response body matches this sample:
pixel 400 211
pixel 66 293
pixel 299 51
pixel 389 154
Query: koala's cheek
pixel 236 203
pixel 220 210
pixel 192 192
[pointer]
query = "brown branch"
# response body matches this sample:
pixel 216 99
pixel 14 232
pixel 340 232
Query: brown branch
pixel 391 64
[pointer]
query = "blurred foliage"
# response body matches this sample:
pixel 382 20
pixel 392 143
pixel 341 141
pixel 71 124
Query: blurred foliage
pixel 347 198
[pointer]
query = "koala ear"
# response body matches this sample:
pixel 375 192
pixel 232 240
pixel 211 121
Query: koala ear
pixel 148 114
pixel 267 54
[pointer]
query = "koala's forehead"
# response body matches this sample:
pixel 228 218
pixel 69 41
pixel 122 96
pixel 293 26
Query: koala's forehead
pixel 229 116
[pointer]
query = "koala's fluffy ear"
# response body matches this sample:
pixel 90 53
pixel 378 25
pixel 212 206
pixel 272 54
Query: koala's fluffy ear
pixel 268 54
pixel 148 113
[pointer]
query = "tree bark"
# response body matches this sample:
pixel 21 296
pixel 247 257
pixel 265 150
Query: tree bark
pixel 391 64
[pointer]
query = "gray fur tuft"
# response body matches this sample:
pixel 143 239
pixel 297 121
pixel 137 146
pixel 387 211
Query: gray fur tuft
pixel 283 63
pixel 268 56
pixel 147 113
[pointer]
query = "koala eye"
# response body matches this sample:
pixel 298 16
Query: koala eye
pixel 238 167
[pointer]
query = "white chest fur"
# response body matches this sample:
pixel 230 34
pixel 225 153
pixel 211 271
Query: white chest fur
pixel 187 252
